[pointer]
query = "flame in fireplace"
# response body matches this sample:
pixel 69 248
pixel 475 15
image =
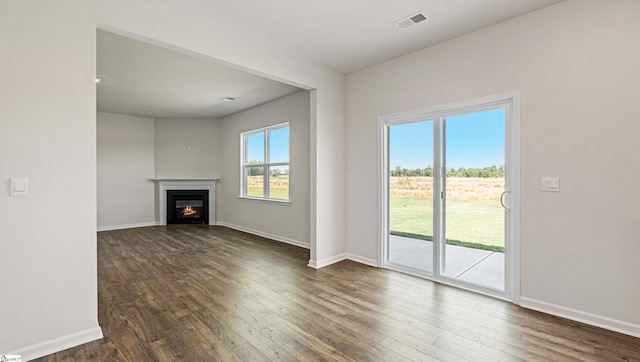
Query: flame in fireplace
pixel 188 211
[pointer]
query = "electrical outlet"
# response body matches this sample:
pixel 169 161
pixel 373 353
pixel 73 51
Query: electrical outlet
pixel 19 186
pixel 550 184
pixel 335 234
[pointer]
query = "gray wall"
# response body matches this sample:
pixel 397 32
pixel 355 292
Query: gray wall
pixel 125 165
pixel 187 148
pixel 285 222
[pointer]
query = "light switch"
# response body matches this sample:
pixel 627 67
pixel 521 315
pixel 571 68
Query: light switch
pixel 550 184
pixel 19 187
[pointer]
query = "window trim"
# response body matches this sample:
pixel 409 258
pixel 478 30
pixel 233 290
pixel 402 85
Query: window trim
pixel 266 165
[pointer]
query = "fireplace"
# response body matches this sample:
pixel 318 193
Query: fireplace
pixel 185 184
pixel 188 207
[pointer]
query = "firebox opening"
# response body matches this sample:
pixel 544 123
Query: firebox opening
pixel 187 207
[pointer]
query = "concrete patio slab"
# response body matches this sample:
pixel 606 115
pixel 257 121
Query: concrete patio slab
pixel 459 259
pixel 489 273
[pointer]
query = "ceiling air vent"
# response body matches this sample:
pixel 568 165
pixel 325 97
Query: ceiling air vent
pixel 412 20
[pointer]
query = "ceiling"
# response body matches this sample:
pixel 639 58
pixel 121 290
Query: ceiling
pixel 348 35
pixel 145 80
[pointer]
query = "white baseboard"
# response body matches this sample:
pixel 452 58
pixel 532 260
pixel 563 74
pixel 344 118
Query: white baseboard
pixel 326 262
pixel 362 260
pixel 338 258
pixel 265 235
pixel 128 226
pixel 582 316
pixel 59 344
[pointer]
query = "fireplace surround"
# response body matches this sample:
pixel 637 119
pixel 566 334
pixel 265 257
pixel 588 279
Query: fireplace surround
pixel 186 184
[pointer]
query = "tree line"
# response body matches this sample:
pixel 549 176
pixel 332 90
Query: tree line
pixel 259 170
pixel 484 172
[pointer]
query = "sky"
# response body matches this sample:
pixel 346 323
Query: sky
pixel 474 140
pixel 278 145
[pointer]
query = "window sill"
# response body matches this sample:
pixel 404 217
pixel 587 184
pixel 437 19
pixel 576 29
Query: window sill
pixel 270 201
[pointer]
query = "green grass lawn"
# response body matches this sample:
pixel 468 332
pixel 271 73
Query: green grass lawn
pixel 472 223
pixel 275 193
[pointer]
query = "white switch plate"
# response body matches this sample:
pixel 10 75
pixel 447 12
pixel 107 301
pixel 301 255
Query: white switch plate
pixel 550 184
pixel 19 186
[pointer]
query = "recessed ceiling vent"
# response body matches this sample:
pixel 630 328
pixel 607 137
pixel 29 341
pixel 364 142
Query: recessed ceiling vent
pixel 412 20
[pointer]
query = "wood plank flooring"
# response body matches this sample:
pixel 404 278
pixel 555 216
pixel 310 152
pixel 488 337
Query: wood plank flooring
pixel 209 293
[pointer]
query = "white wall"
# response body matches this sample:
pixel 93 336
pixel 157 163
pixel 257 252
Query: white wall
pixel 576 66
pixel 125 163
pixel 285 222
pixel 48 133
pixel 171 24
pixel 188 148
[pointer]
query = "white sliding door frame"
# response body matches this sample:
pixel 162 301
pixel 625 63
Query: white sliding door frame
pixel 511 103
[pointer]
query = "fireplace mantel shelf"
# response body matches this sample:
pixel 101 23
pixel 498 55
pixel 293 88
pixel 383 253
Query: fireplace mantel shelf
pixel 165 184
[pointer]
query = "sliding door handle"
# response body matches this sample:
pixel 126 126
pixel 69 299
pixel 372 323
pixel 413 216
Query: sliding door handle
pixel 502 200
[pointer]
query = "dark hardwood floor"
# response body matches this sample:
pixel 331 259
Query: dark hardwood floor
pixel 206 293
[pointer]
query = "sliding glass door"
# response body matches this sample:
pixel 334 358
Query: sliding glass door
pixel 447 195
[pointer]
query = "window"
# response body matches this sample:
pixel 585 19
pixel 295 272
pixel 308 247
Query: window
pixel 265 163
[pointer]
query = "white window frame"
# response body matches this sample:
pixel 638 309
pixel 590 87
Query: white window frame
pixel 266 165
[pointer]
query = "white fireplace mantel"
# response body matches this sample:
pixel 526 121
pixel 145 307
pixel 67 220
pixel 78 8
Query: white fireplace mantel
pixel 165 184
